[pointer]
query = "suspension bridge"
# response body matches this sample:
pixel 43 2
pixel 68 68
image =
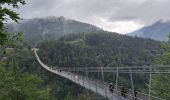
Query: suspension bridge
pixel 101 87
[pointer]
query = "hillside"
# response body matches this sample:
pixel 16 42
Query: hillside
pixel 92 48
pixel 107 49
pixel 100 49
pixel 157 31
pixel 39 29
pixel 88 50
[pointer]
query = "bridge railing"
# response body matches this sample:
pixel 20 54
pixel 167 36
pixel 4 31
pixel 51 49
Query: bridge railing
pixel 96 85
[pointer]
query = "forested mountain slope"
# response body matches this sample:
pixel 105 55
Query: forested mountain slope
pixel 99 49
pixel 88 50
pixel 39 29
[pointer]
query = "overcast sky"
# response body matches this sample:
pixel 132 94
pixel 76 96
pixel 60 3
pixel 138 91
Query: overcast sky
pixel 121 16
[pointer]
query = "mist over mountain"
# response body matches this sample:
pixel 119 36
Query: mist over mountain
pixel 39 29
pixel 157 31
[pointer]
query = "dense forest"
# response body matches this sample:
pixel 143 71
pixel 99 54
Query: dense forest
pixel 55 87
pixel 22 77
pixel 84 50
pixel 101 49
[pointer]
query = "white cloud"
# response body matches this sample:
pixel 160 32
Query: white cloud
pixel 121 27
pixel 114 15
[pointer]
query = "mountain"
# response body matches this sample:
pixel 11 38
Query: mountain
pixel 157 31
pixel 39 29
pixel 92 47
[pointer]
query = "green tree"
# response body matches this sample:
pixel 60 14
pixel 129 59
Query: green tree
pixel 15 85
pixel 160 82
pixel 8 14
pixel 69 97
pixel 160 86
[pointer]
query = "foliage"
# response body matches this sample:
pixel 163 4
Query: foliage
pixel 15 85
pixel 8 14
pixel 160 82
pixel 100 49
pixel 160 86
pixel 89 96
pixel 59 88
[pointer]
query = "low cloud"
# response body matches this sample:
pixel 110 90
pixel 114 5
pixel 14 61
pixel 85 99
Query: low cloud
pixel 108 12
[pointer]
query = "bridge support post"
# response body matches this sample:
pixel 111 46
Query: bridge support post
pixel 74 74
pixel 150 79
pixel 132 85
pixel 69 72
pixel 98 76
pixel 78 78
pixel 84 80
pixel 96 83
pixel 104 82
pixel 116 86
pixel 87 76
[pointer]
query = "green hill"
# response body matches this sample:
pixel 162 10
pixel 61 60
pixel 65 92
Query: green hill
pixel 95 49
pixel 40 29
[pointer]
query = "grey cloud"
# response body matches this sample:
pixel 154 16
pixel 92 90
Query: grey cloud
pixel 143 11
pixel 146 12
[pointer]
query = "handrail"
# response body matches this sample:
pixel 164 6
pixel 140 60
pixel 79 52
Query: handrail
pixel 90 84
